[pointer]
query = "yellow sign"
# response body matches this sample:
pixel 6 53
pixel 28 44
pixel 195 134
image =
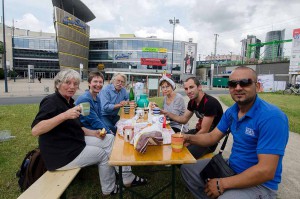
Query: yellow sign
pixel 162 50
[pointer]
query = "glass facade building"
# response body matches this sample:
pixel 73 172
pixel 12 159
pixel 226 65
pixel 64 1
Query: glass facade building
pixel 125 54
pixel 37 51
pixel 275 51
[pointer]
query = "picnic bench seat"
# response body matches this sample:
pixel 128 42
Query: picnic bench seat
pixel 50 185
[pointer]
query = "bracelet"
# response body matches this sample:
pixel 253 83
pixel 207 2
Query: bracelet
pixel 218 186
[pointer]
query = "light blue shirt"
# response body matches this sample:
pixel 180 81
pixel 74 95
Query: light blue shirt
pixel 109 96
pixel 263 130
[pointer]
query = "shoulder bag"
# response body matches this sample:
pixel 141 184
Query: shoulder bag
pixel 217 166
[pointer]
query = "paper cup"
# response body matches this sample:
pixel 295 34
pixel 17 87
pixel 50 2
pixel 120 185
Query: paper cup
pixel 177 142
pixel 85 108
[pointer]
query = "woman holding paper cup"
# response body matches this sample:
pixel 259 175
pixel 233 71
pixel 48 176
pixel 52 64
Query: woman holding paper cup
pixel 63 142
pixel 173 102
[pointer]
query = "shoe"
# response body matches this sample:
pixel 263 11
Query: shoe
pixel 114 192
pixel 137 181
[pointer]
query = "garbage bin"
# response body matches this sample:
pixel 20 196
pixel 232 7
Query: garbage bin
pixel 220 82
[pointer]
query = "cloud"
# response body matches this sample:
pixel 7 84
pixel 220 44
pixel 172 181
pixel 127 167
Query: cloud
pixel 30 22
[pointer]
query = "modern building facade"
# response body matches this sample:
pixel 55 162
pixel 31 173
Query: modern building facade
pixel 254 52
pixel 72 33
pixel 142 55
pixel 272 52
pixel 25 47
pixel 40 52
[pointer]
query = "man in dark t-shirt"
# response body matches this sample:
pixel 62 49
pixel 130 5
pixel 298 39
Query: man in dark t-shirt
pixel 206 108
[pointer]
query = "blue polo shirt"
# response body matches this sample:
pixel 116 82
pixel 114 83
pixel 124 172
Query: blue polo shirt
pixel 263 130
pixel 109 96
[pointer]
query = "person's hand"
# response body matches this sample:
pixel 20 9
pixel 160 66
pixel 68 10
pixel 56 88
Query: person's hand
pixel 72 113
pixel 186 139
pixel 164 112
pixel 152 105
pixel 123 103
pixel 211 189
pixel 101 133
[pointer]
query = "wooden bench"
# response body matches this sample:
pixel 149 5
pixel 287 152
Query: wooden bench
pixel 51 185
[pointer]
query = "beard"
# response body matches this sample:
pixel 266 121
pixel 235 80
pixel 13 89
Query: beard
pixel 245 101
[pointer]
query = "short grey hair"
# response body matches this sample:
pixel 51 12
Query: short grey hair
pixel 117 74
pixel 64 75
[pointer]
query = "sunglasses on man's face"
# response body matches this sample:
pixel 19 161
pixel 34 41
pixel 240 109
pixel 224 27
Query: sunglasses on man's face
pixel 242 83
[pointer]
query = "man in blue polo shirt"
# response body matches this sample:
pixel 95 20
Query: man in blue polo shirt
pixel 113 97
pixel 260 134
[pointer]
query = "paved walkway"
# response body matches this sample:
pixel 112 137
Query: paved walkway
pixel 289 188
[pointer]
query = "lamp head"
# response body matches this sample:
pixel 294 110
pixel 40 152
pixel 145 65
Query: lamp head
pixel 177 20
pixel 171 21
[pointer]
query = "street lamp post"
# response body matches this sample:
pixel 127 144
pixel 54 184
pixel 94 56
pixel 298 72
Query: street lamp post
pixel 173 22
pixel 13 45
pixel 4 49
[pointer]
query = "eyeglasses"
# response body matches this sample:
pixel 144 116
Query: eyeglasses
pixel 119 81
pixel 242 83
pixel 165 87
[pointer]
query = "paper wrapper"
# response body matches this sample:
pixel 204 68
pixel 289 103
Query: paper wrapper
pixel 151 135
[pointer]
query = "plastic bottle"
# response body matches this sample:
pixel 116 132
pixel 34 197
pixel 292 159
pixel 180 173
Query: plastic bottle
pixel 165 122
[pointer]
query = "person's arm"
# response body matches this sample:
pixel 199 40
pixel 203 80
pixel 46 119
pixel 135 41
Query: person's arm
pixel 105 98
pixel 183 119
pixel 106 101
pixel 263 171
pixel 206 124
pixel 47 125
pixel 205 139
pixel 95 133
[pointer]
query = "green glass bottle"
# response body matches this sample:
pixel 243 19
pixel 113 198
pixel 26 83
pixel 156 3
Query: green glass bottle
pixel 131 94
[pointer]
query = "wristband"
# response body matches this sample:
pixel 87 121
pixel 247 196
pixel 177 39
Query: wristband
pixel 218 186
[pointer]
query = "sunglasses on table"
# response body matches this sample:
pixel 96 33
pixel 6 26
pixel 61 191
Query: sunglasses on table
pixel 242 83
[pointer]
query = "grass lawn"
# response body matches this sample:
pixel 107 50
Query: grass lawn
pixel 18 118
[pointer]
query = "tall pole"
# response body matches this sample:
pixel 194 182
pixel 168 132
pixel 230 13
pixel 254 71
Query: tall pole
pixel 173 45
pixel 4 49
pixel 13 45
pixel 215 52
pixel 173 22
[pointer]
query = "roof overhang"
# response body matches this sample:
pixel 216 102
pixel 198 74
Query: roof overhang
pixel 76 8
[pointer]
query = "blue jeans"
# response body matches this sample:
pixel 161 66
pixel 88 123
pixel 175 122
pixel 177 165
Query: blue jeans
pixel 110 121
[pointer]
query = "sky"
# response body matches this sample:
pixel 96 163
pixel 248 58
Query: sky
pixel 232 20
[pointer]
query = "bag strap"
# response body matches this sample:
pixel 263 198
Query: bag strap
pixel 224 142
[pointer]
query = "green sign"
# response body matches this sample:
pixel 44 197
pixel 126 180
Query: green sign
pixel 148 49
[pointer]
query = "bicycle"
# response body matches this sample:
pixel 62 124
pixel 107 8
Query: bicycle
pixel 292 90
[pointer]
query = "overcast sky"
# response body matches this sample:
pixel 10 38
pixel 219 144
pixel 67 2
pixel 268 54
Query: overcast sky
pixel 232 20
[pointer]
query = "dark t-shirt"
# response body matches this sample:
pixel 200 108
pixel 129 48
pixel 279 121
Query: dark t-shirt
pixel 63 143
pixel 209 106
